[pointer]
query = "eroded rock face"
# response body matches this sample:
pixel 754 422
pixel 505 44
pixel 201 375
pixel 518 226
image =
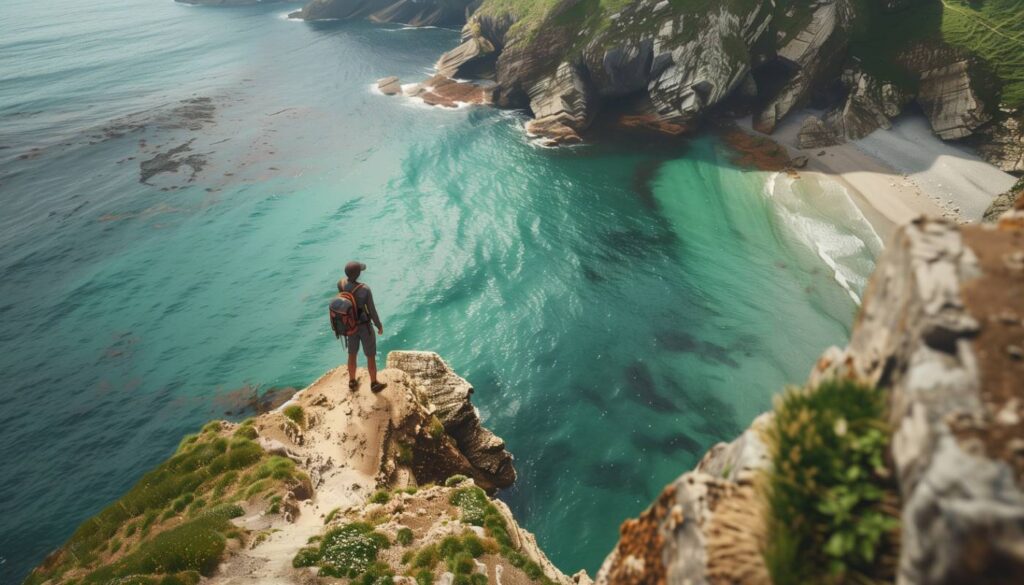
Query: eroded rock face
pixel 451 395
pixel 418 13
pixel 949 100
pixel 812 53
pixel 704 528
pixel 815 133
pixel 1001 142
pixel 941 326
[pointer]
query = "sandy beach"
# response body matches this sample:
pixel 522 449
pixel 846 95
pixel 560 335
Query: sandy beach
pixel 899 174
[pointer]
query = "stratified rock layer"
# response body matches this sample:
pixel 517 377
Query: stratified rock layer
pixel 450 394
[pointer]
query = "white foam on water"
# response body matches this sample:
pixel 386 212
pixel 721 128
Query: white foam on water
pixel 822 216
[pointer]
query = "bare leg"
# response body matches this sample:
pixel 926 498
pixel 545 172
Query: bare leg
pixel 371 364
pixel 351 367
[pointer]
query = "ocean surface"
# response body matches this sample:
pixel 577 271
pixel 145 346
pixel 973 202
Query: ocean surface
pixel 619 307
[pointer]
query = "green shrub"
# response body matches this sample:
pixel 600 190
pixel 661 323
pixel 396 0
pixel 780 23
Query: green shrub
pixel 435 428
pixel 424 577
pixel 826 513
pixel 380 497
pixel 348 551
pixel 455 480
pixel 331 515
pixel 377 574
pixel 246 432
pixel 307 556
pixel 461 563
pixel 426 558
pixel 404 536
pixel 472 502
pixel 296 414
pixel 405 454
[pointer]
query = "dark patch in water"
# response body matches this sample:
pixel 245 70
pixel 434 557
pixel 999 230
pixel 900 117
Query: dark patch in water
pixel 591 395
pixel 668 445
pixel 592 275
pixel 680 341
pixel 616 476
pixel 643 177
pixel 170 161
pixel 248 400
pixel 640 387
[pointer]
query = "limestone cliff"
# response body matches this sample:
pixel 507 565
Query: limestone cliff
pixel 941 330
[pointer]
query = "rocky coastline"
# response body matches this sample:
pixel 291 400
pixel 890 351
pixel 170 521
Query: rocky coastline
pixel 668 67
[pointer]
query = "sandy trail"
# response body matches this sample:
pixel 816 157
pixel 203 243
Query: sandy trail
pixel 344 449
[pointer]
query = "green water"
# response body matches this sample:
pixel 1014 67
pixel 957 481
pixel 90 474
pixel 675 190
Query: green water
pixel 618 307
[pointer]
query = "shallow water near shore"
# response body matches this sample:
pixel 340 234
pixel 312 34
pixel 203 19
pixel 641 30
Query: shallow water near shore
pixel 618 307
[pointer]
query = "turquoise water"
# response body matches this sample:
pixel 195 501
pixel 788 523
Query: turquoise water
pixel 619 308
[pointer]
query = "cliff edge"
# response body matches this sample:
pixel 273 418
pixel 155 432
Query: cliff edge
pixel 901 460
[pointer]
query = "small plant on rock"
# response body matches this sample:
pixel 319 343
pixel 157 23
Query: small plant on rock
pixel 296 414
pixel 404 536
pixel 830 512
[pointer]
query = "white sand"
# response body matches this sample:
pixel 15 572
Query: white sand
pixel 899 174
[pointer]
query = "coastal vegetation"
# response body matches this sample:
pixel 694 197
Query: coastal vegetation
pixel 831 513
pixel 174 524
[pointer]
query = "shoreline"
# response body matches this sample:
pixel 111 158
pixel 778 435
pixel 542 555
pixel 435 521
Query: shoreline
pixel 920 175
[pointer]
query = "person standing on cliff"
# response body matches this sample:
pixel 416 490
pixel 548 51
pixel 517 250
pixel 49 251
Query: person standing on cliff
pixel 358 319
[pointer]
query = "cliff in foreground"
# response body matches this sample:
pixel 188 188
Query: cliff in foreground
pixel 900 460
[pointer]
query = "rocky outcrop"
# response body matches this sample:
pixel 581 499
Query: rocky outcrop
pixel 451 395
pixel 811 55
pixel 1014 198
pixel 942 328
pixel 868 106
pixel 389 85
pixel 705 527
pixel 1001 142
pixel 948 99
pixel 411 12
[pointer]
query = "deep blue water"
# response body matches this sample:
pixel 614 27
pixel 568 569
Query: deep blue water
pixel 619 308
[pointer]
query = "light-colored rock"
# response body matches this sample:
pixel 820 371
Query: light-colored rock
pixel 560 105
pixel 948 99
pixel 389 85
pixel 1001 142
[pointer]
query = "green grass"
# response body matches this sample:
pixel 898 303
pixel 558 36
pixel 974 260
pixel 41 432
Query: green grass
pixel 828 514
pixel 203 471
pixel 404 536
pixel 992 30
pixel 296 414
pixel 380 497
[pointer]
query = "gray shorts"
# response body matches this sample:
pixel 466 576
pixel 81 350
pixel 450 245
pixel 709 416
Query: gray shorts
pixel 366 337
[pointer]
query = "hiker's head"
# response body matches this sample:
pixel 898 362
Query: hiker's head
pixel 354 269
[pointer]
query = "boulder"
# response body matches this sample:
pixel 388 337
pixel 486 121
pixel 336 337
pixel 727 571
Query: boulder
pixel 948 98
pixel 815 133
pixel 869 105
pixel 389 85
pixel 450 393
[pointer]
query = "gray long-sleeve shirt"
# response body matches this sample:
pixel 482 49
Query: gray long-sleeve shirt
pixel 364 300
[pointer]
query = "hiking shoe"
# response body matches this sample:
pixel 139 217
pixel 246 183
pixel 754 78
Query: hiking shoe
pixel 377 387
pixel 353 385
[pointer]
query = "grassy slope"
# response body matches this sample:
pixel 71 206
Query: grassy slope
pixel 173 524
pixel 991 29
